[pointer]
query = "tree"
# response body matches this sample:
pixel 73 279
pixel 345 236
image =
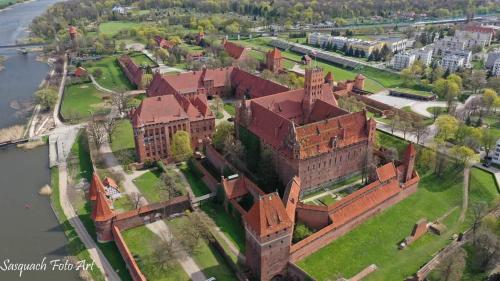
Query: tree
pixel 476 81
pixel 161 54
pixel 301 232
pixel 164 252
pixel 268 177
pixel 167 185
pixel 222 131
pixel 489 97
pixel 46 98
pixel 447 89
pixel 109 125
pixel 196 227
pixel 181 146
pixel 457 79
pixel 96 133
pixel 97 73
pixel 452 267
pixel 447 126
pixel 463 155
pixel 146 79
pixel 120 100
pixel 419 129
pixel 233 149
pixel 488 140
pixel 426 160
pixel 136 199
pixel 479 209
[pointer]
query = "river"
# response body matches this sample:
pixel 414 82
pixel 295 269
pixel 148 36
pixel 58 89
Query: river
pixel 29 230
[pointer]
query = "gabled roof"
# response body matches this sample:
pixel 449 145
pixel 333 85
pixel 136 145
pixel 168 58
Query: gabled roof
pixel 96 186
pixel 109 182
pixel 291 197
pixel 386 172
pixel 240 186
pixel 329 77
pixel 274 54
pixel 234 50
pixel 101 211
pixel 161 109
pixel 267 215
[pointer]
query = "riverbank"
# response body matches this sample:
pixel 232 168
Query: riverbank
pixel 7 4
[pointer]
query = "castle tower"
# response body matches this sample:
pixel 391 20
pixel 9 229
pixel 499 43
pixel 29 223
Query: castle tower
pixel 72 32
pixel 409 161
pixel 291 197
pixel 313 89
pixel 268 235
pixel 359 82
pixel 95 187
pixel 371 127
pixel 329 78
pixel 274 60
pixel 102 216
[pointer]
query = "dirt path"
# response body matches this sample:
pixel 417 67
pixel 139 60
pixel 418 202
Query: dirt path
pixel 465 201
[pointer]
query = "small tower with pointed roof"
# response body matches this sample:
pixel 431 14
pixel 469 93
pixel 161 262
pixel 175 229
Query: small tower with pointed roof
pixel 268 232
pixel 329 78
pixel 359 82
pixel 274 60
pixel 409 161
pixel 102 215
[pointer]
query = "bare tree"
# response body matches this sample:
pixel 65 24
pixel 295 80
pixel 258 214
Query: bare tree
pixel 109 125
pixel 120 101
pixel 96 133
pixel 451 269
pixel 164 252
pixel 136 199
pixel 419 129
pixel 167 185
pixel 478 211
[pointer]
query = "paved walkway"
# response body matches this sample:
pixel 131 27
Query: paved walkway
pixel 60 93
pixel 465 200
pixel 99 87
pixel 94 251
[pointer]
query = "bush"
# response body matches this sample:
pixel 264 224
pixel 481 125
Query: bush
pixel 301 232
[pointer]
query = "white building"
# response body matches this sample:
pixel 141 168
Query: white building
pixel 403 60
pixel 492 57
pixel 447 43
pixel 395 44
pixel 475 35
pixel 496 68
pixel 320 39
pixel 424 55
pixel 495 153
pixel 452 63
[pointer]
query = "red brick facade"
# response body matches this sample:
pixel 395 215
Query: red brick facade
pixel 133 72
pixel 157 119
pixel 274 60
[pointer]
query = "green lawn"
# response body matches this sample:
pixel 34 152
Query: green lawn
pixel 83 166
pixel 113 27
pixel 230 108
pixel 123 204
pixel 122 144
pixel 482 186
pixel 377 79
pixel 193 177
pixel 389 141
pixel 207 258
pixel 412 92
pixel 147 184
pixel 112 76
pixel 348 181
pixel 80 99
pixel 229 225
pixel 142 60
pixel 139 241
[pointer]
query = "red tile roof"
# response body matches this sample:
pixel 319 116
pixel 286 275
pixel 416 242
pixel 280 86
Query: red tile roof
pixel 410 151
pixel 110 182
pixel 386 172
pixel 132 71
pixel 168 108
pixel 291 197
pixel 234 50
pixel 95 187
pixel 480 29
pixel 365 199
pixel 329 77
pixel 239 187
pixel 253 85
pixel 101 211
pixel 72 30
pixel 267 216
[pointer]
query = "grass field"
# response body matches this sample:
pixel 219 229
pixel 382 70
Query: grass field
pixel 376 240
pixel 389 141
pixel 230 108
pixel 112 76
pixel 113 27
pixel 147 184
pixel 198 187
pixel 412 92
pixel 142 60
pixel 227 224
pixel 80 99
pixel 139 241
pixel 122 144
pixel 377 79
pixel 207 258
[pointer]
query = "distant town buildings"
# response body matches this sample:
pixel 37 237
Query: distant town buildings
pixel 403 60
pixel 495 71
pixel 495 157
pixel 363 46
pixel 452 63
pixel 491 59
pixel 475 35
pixel 447 44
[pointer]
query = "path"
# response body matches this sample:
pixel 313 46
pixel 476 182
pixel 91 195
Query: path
pixel 60 93
pixel 160 228
pixel 99 87
pixel 94 251
pixel 163 68
pixel 465 200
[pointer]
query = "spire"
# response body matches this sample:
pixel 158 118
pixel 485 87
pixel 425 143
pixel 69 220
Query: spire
pixel 95 187
pixel 101 211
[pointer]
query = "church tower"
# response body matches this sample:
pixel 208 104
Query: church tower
pixel 313 89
